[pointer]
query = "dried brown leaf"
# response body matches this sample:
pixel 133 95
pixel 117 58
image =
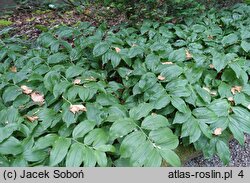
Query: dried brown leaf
pixel 161 78
pixel 13 69
pixel 188 54
pixel 37 97
pixel 77 81
pixel 218 131
pixel 32 118
pixel 230 99
pixel 117 50
pixel 76 108
pixel 211 66
pixel 26 89
pixel 167 63
pixel 236 89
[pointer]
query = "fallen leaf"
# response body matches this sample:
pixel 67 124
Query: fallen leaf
pixel 87 12
pixel 32 118
pixel 211 66
pixel 230 99
pixel 236 89
pixel 76 108
pixel 188 54
pixel 210 37
pixel 167 63
pixel 248 106
pixel 13 69
pixel 218 131
pixel 207 89
pixel 213 93
pixel 90 79
pixel 133 45
pixel 26 89
pixel 117 50
pixel 37 97
pixel 161 78
pixel 77 81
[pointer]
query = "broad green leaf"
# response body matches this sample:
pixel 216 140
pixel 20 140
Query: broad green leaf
pixel 134 51
pixel 204 94
pixel 243 117
pixel 220 107
pixel 164 138
pixel 112 56
pixel 11 93
pixel 94 113
pixel 115 112
pixel 152 61
pixel 100 49
pixel 34 155
pixel 48 116
pixel 11 146
pixel 223 151
pixel 68 117
pixel 177 55
pixel 234 127
pixel 86 93
pixel 96 137
pixel 179 104
pixel 122 127
pixel 140 111
pixel 73 71
pixel 229 39
pixel 170 156
pixel 105 148
pixel 154 122
pixel 191 128
pixel 205 115
pixel 140 155
pixel 75 155
pixel 6 131
pixel 224 90
pixel 171 71
pixel 57 58
pixel 45 141
pixel 219 61
pixel 75 54
pixel 83 128
pixel 161 102
pixel 12 115
pixel 246 46
pixel 60 88
pixel 19 161
pixel 245 34
pixel 59 150
pixel 205 129
pixel 181 117
pixel 154 159
pixel 236 68
pixel 89 159
pixel 101 158
pixel 51 79
pixel 130 143
pixel 106 99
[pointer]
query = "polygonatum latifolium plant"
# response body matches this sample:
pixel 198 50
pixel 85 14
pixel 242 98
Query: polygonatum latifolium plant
pixel 86 96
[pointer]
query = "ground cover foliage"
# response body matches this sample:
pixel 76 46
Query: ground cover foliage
pixel 87 96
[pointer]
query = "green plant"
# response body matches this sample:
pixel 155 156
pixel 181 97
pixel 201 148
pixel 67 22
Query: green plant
pixel 5 23
pixel 87 96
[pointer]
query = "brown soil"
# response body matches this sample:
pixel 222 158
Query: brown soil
pixel 32 22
